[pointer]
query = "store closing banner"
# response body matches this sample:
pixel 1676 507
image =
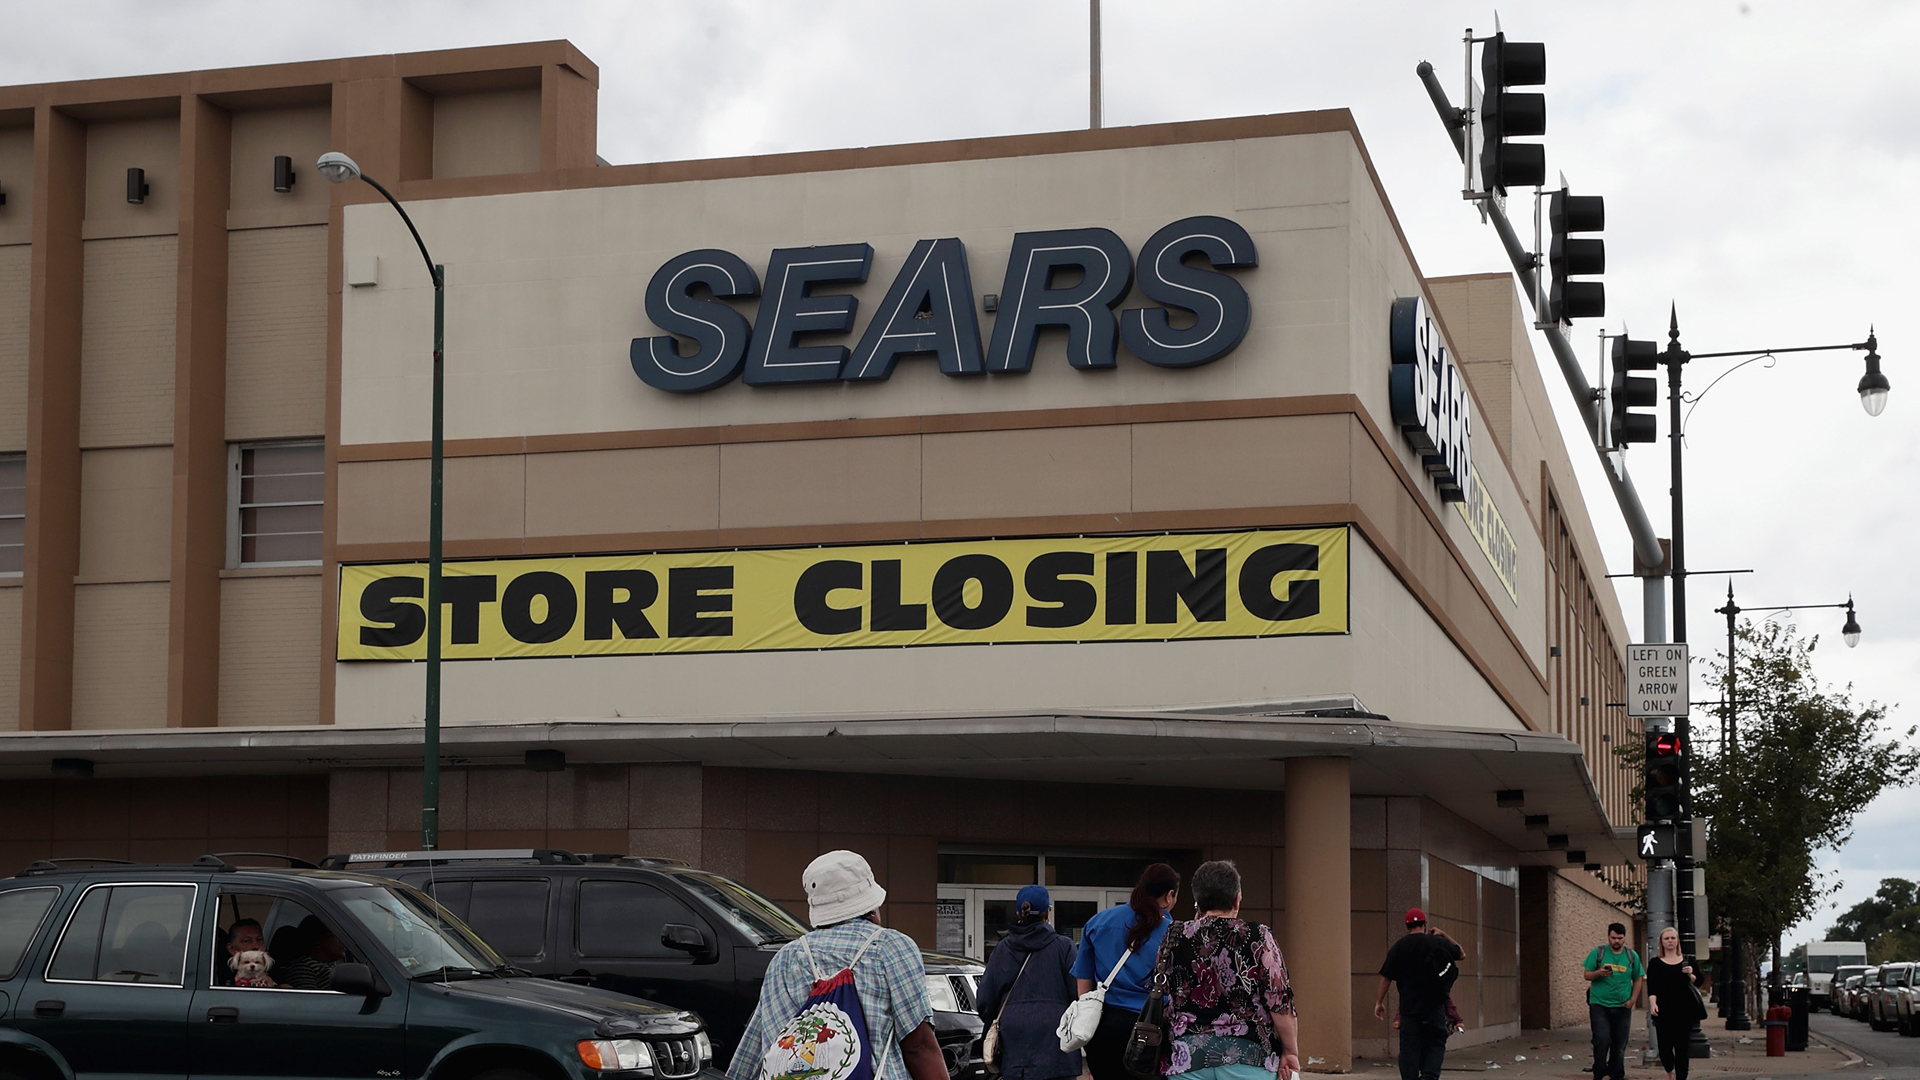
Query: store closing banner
pixel 1260 583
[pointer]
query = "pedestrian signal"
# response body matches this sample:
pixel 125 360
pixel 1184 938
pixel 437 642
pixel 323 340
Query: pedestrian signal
pixel 1666 785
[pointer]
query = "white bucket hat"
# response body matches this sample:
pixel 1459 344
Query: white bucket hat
pixel 840 887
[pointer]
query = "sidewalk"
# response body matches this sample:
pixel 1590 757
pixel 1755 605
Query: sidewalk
pixel 1567 1053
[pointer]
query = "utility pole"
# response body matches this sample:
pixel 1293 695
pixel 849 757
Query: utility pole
pixel 1093 65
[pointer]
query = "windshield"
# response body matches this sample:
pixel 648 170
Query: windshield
pixel 419 933
pixel 749 912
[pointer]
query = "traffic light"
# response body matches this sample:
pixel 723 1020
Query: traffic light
pixel 1631 392
pixel 1570 255
pixel 1666 777
pixel 1503 115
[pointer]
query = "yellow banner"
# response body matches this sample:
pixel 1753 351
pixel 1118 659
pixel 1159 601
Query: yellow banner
pixel 977 592
pixel 1489 530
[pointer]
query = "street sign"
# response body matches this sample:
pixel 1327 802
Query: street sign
pixel 1659 842
pixel 1657 680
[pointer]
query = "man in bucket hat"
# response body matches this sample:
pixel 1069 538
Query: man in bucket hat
pixel 843 902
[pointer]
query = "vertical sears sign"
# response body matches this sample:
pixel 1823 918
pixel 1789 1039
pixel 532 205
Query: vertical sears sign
pixel 1429 400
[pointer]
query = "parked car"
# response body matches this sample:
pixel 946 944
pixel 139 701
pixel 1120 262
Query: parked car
pixel 654 928
pixel 118 968
pixel 1863 996
pixel 1837 1000
pixel 1881 1003
pixel 1889 1008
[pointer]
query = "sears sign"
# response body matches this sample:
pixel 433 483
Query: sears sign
pixel 1067 279
pixel 1429 399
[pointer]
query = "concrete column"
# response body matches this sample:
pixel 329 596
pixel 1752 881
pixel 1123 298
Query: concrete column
pixel 199 545
pixel 1320 907
pixel 53 422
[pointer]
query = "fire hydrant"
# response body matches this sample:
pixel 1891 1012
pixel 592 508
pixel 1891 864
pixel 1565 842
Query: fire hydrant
pixel 1776 1023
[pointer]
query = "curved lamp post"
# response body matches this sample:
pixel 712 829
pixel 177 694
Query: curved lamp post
pixel 1873 389
pixel 338 168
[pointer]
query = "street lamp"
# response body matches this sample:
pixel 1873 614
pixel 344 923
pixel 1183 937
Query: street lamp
pixel 1873 397
pixel 1873 385
pixel 338 168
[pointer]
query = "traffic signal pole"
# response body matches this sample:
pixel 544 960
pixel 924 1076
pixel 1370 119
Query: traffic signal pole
pixel 1646 539
pixel 1647 548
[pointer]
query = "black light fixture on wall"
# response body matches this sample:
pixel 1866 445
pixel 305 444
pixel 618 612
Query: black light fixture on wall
pixel 137 185
pixel 282 174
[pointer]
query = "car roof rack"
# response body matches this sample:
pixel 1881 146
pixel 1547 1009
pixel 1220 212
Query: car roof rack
pixel 45 866
pixel 539 856
pixel 651 861
pixel 294 862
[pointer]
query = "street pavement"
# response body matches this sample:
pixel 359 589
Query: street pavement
pixel 1567 1054
pixel 1882 1053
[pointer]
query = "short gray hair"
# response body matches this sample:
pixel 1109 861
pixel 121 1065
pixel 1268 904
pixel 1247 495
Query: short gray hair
pixel 1216 885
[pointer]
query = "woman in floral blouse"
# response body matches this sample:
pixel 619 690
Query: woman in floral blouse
pixel 1229 1005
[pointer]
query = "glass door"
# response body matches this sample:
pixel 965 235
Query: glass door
pixel 973 919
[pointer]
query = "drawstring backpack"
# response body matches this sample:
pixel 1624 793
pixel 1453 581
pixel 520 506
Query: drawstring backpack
pixel 826 1039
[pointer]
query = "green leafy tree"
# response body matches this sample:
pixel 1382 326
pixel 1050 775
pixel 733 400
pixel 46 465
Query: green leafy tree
pixel 1804 762
pixel 1888 921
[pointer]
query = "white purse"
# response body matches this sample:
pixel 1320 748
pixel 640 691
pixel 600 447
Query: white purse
pixel 1082 1018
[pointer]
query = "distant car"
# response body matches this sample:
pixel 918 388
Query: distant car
pixel 1857 1005
pixel 1837 998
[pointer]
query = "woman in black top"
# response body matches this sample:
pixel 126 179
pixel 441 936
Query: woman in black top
pixel 1671 1004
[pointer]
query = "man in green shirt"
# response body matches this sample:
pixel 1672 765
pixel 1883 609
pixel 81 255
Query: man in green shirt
pixel 1614 975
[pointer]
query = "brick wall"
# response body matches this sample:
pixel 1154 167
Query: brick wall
pixel 161 819
pixel 1578 921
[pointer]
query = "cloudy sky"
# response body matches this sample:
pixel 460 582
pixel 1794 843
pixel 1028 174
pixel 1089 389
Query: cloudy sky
pixel 1758 161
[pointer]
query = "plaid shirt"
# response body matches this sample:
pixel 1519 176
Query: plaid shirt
pixel 891 979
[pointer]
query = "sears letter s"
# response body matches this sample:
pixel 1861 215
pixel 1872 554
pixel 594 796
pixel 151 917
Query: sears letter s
pixel 720 334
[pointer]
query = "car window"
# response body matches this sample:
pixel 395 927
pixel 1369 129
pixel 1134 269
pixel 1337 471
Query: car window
pixel 752 914
pixel 422 936
pixel 624 919
pixel 510 915
pixel 301 948
pixel 21 913
pixel 126 933
pixel 452 895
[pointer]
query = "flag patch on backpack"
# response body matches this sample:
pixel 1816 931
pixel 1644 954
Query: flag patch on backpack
pixel 826 1039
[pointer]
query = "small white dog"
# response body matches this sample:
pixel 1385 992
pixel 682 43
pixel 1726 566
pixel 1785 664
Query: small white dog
pixel 250 968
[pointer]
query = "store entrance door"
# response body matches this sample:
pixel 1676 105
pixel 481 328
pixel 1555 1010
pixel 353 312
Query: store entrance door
pixel 973 919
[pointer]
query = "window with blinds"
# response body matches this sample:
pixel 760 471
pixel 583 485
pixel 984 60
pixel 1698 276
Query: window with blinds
pixel 277 499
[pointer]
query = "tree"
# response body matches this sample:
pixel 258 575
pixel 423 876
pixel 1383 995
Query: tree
pixel 1879 913
pixel 1803 763
pixel 1888 921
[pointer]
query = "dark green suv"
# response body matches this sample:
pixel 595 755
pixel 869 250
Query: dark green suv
pixel 130 971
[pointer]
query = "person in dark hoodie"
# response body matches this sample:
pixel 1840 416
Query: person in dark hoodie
pixel 1028 984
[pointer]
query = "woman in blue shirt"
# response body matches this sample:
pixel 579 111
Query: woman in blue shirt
pixel 1138 926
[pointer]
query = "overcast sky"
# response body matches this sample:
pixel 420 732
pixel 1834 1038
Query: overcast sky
pixel 1758 159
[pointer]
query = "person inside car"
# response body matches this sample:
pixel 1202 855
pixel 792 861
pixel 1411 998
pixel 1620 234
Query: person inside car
pixel 244 935
pixel 314 969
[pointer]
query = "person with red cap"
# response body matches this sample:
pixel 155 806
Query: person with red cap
pixel 1424 965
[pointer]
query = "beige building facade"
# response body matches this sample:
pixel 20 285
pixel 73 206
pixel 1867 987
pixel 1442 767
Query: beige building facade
pixel 987 627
